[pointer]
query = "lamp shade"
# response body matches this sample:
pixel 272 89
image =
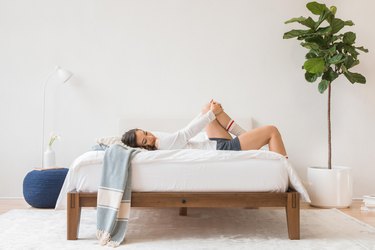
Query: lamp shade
pixel 63 74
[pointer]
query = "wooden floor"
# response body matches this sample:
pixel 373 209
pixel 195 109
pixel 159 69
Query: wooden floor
pixel 354 210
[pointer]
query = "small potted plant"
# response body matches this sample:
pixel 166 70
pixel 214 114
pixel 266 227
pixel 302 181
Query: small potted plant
pixel 330 55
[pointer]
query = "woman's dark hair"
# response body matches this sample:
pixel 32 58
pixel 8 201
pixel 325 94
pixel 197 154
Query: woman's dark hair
pixel 130 139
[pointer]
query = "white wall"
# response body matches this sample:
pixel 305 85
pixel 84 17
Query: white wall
pixel 166 58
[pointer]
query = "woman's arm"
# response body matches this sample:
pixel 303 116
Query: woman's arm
pixel 179 139
pixel 196 126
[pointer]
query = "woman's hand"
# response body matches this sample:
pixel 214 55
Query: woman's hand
pixel 216 108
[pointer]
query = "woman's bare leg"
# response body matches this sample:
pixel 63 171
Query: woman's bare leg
pixel 215 130
pixel 226 121
pixel 223 118
pixel 253 139
pixel 257 138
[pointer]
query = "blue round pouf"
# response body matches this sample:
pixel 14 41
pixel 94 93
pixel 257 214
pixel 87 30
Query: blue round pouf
pixel 41 188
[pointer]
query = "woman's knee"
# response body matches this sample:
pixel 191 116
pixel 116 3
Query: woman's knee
pixel 272 130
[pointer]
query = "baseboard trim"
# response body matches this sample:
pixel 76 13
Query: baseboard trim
pixel 357 199
pixel 11 198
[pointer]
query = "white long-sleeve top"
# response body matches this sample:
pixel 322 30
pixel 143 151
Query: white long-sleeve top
pixel 180 139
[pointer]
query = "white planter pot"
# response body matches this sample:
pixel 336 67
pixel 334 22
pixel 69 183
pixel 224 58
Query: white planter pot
pixel 330 188
pixel 49 159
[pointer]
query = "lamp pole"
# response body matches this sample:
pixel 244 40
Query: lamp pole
pixel 64 76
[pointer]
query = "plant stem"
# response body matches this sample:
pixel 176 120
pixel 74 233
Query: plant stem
pixel 329 128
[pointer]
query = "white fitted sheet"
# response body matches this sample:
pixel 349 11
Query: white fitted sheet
pixel 190 170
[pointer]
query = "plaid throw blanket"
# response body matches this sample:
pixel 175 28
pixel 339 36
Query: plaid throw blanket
pixel 114 196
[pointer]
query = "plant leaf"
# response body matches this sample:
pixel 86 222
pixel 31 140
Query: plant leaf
pixel 350 62
pixel 337 24
pixel 356 62
pixel 331 51
pixel 344 69
pixel 316 8
pixel 330 75
pixel 362 49
pixel 337 37
pixel 326 15
pixel 350 49
pixel 310 45
pixel 314 65
pixel 336 59
pixel 349 37
pixel 309 22
pixel 349 23
pixel 310 77
pixel 330 17
pixel 340 46
pixel 294 33
pixel 323 85
pixel 324 30
pixel 295 19
pixel 355 77
pixel 311 54
pixel 316 39
pixel 333 9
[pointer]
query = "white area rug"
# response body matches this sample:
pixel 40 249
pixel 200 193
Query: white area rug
pixel 218 228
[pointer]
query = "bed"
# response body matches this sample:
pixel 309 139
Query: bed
pixel 191 178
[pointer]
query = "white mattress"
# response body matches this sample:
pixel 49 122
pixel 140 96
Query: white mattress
pixel 190 170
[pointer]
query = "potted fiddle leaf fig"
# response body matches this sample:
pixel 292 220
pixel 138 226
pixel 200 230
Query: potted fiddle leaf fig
pixel 331 53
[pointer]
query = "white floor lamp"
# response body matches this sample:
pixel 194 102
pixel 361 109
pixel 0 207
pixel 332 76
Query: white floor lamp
pixel 64 76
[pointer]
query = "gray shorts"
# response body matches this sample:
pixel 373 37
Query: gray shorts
pixel 227 144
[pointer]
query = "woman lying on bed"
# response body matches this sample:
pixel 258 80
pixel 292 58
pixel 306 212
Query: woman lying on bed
pixel 217 125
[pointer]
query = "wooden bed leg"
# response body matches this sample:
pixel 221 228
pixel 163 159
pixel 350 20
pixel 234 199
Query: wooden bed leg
pixel 292 216
pixel 183 211
pixel 73 216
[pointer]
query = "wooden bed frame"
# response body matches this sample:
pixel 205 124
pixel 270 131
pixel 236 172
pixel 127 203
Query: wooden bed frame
pixel 182 200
